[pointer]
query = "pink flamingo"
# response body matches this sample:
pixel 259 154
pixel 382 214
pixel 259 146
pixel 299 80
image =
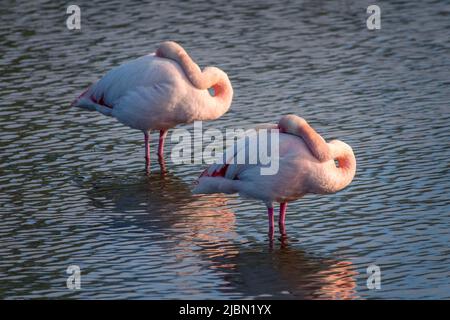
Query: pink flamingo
pixel 306 165
pixel 159 91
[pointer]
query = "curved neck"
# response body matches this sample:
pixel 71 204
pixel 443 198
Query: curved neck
pixel 343 174
pixel 334 178
pixel 298 126
pixel 220 102
pixel 211 77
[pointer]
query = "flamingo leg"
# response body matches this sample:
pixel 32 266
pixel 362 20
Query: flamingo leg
pixel 147 150
pixel 281 224
pixel 282 216
pixel 270 216
pixel 162 137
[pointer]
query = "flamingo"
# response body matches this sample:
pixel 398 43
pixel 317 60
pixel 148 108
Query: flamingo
pixel 159 91
pixel 306 165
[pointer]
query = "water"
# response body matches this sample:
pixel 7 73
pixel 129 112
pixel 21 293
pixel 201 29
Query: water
pixel 73 188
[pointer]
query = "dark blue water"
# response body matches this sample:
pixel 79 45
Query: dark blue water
pixel 73 188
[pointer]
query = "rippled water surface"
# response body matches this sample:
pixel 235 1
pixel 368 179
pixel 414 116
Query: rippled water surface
pixel 73 188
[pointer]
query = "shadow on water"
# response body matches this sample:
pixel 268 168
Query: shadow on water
pixel 205 228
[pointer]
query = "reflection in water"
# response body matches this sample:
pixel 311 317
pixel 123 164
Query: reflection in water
pixel 287 273
pixel 206 228
pixel 163 202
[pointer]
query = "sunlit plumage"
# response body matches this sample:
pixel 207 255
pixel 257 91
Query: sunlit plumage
pixel 159 91
pixel 306 165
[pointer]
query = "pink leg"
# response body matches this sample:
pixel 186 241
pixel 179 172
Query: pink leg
pixel 162 137
pixel 270 216
pixel 147 150
pixel 281 224
pixel 282 216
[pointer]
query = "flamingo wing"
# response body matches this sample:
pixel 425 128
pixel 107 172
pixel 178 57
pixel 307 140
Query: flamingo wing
pixel 228 165
pixel 137 93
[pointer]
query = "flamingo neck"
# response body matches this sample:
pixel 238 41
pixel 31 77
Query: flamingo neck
pixel 298 126
pixel 223 94
pixel 342 174
pixel 210 77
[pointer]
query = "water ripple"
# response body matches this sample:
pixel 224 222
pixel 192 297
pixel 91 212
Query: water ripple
pixel 73 190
